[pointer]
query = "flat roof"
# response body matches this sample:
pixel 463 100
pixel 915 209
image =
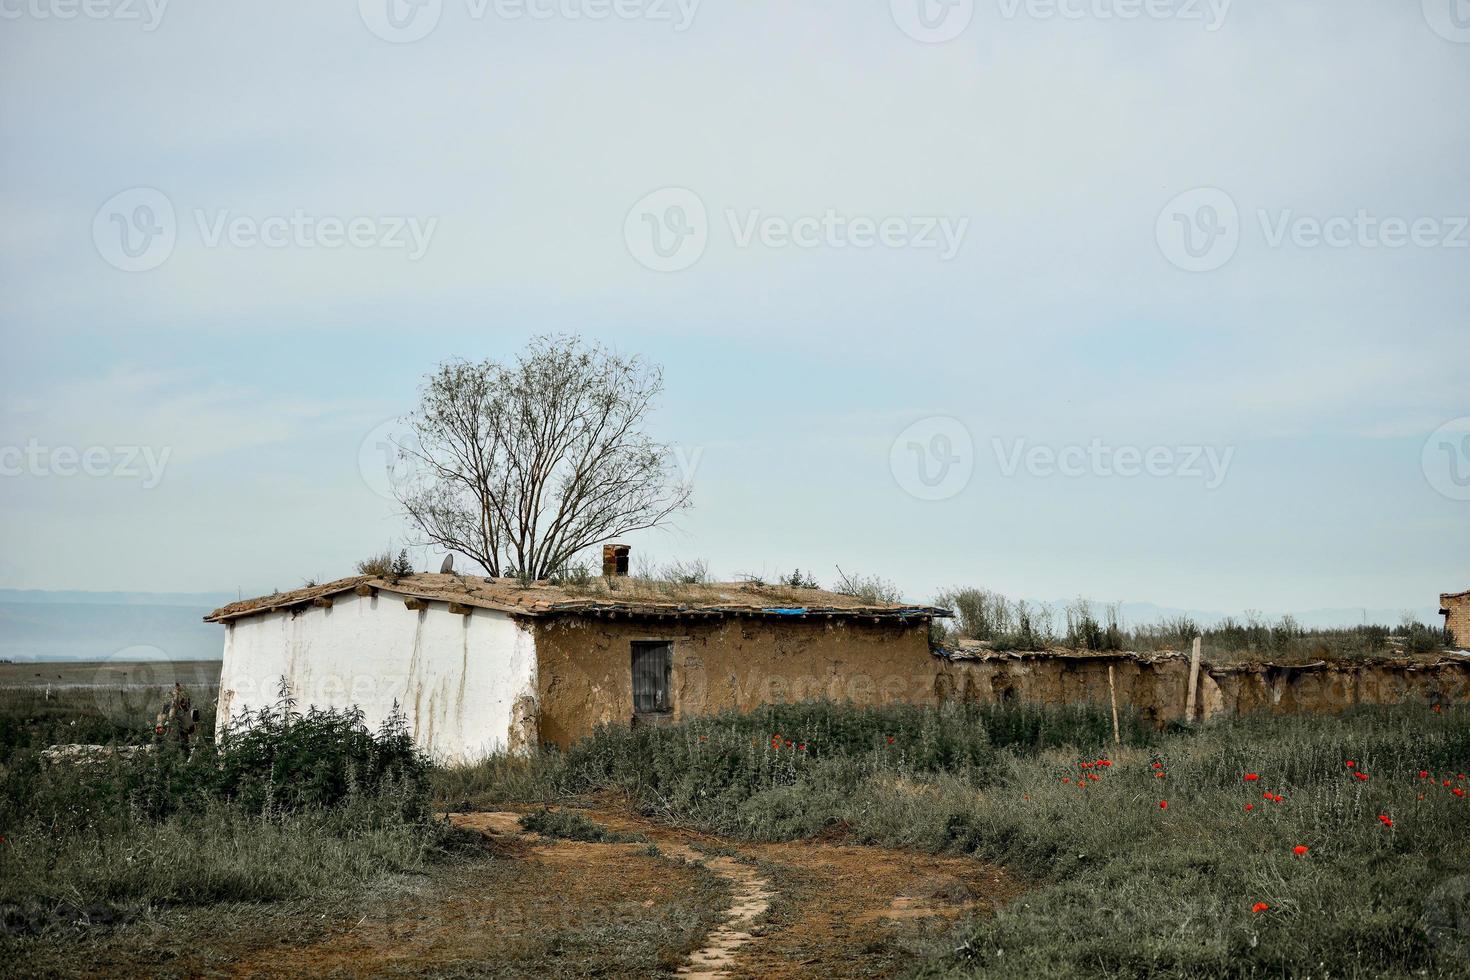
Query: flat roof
pixel 627 595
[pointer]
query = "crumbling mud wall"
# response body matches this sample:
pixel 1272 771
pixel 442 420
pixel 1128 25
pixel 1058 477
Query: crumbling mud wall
pixel 584 675
pixel 1157 686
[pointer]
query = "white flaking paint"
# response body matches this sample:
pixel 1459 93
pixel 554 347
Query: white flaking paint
pixel 456 678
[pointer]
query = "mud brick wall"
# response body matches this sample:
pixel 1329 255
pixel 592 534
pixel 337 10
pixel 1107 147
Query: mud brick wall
pixel 584 675
pixel 1457 617
pixel 1156 686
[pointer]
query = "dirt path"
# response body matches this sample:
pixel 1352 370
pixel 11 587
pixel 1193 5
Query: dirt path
pixel 752 896
pixel 560 907
pixel 834 909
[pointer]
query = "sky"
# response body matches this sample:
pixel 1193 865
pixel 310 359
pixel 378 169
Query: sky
pixel 1153 301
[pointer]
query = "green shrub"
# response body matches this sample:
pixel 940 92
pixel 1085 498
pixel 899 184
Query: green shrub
pixel 281 760
pixel 284 804
pixel 1418 638
pixel 783 768
pixel 799 580
pixel 572 825
pixel 1085 632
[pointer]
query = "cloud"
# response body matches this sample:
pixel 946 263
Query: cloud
pixel 141 406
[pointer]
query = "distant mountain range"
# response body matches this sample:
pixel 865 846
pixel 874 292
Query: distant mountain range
pixel 71 625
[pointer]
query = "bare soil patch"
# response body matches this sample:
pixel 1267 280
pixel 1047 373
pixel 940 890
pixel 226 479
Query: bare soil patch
pixel 837 909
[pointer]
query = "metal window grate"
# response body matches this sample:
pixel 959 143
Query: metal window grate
pixel 653 665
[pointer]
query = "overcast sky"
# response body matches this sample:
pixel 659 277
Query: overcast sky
pixel 1156 301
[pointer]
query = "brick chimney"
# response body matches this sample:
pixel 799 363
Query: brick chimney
pixel 614 560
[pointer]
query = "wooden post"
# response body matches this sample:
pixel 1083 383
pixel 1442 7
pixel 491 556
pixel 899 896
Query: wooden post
pixel 1113 697
pixel 1189 698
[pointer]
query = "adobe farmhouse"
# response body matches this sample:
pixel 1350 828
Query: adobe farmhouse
pixel 482 664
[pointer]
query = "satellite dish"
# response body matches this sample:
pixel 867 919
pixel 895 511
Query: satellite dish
pixel 448 567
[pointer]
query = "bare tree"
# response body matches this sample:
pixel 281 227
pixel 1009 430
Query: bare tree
pixel 521 466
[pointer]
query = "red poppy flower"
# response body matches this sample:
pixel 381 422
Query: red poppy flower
pixel 1423 774
pixel 1158 765
pixel 1384 819
pixel 1267 796
pixel 1259 907
pixel 1458 791
pixel 1446 782
pixel 890 740
pixel 1163 804
pixel 1299 850
pixel 1351 763
pixel 1092 777
pixel 1421 796
pixel 1066 779
pixel 1108 762
pixel 1086 765
pixel 1362 776
pixel 1159 775
pixel 801 747
pixel 1460 776
pixel 1251 777
pixel 1249 807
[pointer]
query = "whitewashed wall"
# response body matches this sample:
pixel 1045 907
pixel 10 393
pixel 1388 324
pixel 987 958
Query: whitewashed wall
pixel 455 677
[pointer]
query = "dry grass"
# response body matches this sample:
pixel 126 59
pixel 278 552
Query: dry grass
pixel 1122 886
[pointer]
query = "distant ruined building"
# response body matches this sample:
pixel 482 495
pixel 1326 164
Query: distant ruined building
pixel 1455 608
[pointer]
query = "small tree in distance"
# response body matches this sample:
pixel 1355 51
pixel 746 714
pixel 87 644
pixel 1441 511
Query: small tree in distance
pixel 521 466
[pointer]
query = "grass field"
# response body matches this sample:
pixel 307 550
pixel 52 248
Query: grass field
pixel 301 831
pixel 1264 846
pixel 96 703
pixel 1174 854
